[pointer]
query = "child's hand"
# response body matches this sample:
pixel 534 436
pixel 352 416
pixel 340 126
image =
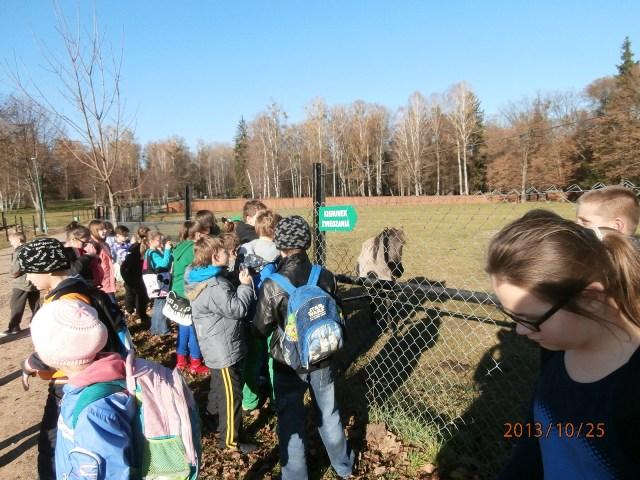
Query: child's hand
pixel 244 277
pixel 168 244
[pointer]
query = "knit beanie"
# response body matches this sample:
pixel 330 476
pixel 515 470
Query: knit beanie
pixel 43 255
pixel 67 332
pixel 292 232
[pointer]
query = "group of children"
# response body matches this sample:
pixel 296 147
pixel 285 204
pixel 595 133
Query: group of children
pixel 574 288
pixel 79 338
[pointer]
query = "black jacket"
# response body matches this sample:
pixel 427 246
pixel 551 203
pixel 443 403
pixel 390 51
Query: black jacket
pixel 271 311
pixel 245 232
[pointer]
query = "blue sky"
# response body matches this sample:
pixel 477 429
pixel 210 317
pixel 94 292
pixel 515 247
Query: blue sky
pixel 193 68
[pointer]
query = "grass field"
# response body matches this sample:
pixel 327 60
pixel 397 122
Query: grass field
pixel 444 376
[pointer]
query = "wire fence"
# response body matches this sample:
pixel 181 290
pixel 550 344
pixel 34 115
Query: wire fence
pixel 442 367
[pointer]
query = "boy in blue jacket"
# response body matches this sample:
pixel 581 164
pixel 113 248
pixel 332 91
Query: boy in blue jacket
pixel 96 443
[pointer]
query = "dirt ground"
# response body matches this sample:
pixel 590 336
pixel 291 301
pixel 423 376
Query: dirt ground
pixel 20 411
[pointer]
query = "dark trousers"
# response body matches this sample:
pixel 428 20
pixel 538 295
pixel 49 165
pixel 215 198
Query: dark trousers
pixel 135 298
pixel 18 302
pixel 48 432
pixel 225 400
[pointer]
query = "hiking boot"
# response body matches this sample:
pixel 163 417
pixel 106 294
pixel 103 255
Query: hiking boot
pixel 181 362
pixel 247 447
pixel 198 368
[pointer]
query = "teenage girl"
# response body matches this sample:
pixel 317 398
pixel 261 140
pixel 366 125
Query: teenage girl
pixel 575 292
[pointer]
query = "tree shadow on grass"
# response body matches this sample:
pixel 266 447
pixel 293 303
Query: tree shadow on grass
pixel 505 379
pixel 377 381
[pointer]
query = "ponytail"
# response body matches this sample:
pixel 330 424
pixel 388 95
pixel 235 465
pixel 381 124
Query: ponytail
pixel 143 232
pixel 625 279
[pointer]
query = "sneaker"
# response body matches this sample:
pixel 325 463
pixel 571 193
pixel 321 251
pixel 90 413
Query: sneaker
pixel 198 368
pixel 11 331
pixel 247 447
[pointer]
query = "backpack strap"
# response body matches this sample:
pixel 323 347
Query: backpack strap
pixel 314 275
pixel 283 282
pixel 93 393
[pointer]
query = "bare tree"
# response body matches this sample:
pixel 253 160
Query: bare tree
pixel 89 81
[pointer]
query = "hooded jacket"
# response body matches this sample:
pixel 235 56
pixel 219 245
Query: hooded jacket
pixel 100 445
pixel 271 311
pixel 217 311
pixel 182 258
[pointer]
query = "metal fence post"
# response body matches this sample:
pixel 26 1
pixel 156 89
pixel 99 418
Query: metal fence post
pixel 319 243
pixel 4 226
pixel 187 202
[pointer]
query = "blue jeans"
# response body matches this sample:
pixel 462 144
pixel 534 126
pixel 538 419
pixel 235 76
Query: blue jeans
pixel 289 391
pixel 158 320
pixel 188 342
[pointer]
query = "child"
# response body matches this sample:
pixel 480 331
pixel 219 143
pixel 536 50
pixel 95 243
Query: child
pixel 22 290
pixel 106 281
pixel 263 246
pixel 47 266
pixel 158 259
pixel 109 236
pixel 187 339
pixel 82 253
pixel 579 297
pixel 207 219
pixel 217 310
pixel 135 293
pixel 293 238
pixel 68 336
pixel 121 244
pixel 257 357
pixel 613 207
pixel 245 228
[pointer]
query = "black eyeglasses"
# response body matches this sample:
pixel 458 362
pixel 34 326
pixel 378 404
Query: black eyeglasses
pixel 535 324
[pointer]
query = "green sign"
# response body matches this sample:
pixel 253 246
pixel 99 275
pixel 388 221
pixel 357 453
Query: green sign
pixel 337 219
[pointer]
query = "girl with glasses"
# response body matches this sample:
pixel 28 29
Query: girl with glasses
pixel 577 294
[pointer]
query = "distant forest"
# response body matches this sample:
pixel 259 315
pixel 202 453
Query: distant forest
pixel 436 144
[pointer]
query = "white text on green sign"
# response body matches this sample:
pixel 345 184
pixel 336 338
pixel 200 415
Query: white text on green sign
pixel 337 219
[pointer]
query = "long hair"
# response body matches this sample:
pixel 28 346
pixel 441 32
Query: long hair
pixel 555 259
pixel 94 226
pixel 143 235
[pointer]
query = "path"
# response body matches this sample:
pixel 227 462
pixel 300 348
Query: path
pixel 20 411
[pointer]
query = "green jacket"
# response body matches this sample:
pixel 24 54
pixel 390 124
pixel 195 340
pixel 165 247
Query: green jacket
pixel 182 258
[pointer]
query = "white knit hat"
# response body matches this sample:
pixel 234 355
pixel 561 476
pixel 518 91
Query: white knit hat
pixel 67 332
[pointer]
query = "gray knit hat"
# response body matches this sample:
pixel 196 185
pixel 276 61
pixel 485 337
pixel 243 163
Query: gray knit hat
pixel 43 255
pixel 292 232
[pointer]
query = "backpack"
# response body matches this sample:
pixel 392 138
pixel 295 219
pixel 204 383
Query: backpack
pixel 119 338
pixel 313 328
pixel 166 430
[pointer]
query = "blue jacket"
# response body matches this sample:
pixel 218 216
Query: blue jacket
pixel 159 261
pixel 100 447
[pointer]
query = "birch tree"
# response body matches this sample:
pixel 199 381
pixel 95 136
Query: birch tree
pixel 462 107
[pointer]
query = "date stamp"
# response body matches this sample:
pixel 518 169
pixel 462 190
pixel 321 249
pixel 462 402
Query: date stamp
pixel 559 429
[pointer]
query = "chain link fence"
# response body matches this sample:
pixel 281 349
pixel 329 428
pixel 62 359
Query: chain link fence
pixel 440 365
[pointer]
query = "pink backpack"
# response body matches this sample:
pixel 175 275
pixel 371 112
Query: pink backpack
pixel 166 441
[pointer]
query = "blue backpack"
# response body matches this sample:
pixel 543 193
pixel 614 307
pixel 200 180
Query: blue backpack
pixel 314 324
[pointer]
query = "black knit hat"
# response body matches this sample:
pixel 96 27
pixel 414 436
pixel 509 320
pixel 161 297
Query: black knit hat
pixel 292 232
pixel 43 255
